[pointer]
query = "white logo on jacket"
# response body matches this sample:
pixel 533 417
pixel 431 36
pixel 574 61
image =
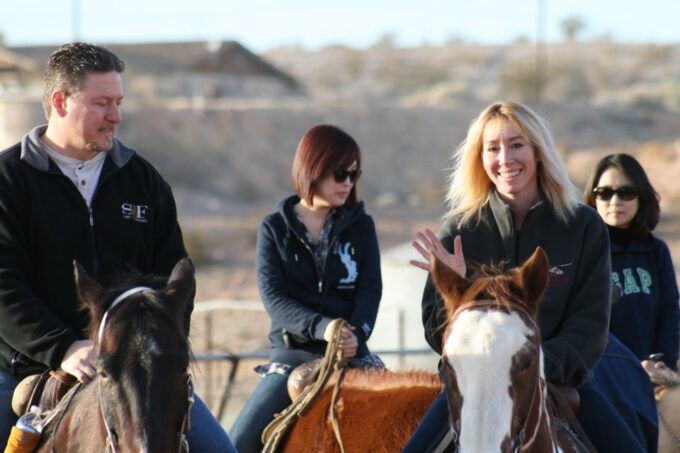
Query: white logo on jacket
pixel 137 212
pixel 350 265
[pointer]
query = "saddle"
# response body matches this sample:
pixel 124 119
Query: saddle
pixel 44 390
pixel 303 376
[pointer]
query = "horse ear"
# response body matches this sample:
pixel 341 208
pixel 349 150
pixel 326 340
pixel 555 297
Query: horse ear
pixel 449 283
pixel 89 291
pixel 532 277
pixel 181 285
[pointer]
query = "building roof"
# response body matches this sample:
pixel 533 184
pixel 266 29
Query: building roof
pixel 198 56
pixel 10 61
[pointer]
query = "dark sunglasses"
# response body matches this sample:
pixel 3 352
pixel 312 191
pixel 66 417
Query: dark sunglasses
pixel 625 193
pixel 340 175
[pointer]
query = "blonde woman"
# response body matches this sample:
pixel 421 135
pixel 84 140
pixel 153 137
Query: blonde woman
pixel 509 193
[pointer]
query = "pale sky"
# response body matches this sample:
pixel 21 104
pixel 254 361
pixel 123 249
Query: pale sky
pixel 263 24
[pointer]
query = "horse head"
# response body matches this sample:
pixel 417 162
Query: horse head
pixel 143 357
pixel 491 354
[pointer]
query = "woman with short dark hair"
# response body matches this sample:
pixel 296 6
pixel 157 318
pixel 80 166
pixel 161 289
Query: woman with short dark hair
pixel 646 317
pixel 317 260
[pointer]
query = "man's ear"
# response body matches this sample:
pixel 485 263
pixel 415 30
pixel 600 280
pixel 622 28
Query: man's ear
pixel 58 102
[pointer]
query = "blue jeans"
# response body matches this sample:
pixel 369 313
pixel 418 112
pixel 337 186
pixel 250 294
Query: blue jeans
pixel 605 428
pixel 269 397
pixel 206 434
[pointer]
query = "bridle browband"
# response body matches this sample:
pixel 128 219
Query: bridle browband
pixel 111 439
pixel 519 441
pixel 121 297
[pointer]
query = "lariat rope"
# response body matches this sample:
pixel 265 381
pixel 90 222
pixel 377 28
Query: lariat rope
pixel 274 434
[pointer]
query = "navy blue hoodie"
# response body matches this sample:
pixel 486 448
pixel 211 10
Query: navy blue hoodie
pixel 646 318
pixel 299 299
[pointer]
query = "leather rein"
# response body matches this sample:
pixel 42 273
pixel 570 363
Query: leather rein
pixel 537 406
pixel 111 437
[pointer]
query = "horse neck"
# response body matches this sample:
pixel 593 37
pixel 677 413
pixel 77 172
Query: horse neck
pixel 80 428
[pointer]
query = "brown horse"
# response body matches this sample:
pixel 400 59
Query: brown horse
pixel 141 396
pixel 377 412
pixel 492 364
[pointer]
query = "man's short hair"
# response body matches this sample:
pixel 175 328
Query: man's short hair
pixel 69 65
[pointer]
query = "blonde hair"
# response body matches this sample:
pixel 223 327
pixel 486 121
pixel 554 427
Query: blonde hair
pixel 469 185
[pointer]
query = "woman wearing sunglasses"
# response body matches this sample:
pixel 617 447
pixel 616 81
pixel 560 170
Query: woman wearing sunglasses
pixel 646 317
pixel 509 193
pixel 317 260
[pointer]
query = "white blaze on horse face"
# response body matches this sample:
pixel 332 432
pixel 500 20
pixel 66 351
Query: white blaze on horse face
pixel 480 348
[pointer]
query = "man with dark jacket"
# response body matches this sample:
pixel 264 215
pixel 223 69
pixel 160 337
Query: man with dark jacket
pixel 71 191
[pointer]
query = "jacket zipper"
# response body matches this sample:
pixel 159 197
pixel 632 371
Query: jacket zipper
pixel 330 250
pixel 316 263
pixel 90 214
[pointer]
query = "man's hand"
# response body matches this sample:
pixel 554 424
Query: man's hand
pixel 79 361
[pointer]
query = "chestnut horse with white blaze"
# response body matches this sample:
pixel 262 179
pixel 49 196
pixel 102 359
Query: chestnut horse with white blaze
pixel 493 368
pixel 493 363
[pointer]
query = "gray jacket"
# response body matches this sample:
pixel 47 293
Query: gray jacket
pixel 574 311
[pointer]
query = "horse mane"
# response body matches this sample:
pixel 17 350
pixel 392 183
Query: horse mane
pixel 386 380
pixel 492 282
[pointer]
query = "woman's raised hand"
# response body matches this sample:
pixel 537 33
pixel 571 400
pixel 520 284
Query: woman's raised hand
pixel 427 241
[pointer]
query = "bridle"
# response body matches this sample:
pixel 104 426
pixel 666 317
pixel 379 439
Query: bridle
pixel 536 406
pixel 111 437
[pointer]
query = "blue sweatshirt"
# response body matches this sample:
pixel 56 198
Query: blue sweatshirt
pixel 301 299
pixel 646 318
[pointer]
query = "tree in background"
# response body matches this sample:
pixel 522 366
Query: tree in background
pixel 572 26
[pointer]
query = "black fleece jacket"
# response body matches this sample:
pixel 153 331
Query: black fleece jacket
pixel 574 311
pixel 299 299
pixel 45 225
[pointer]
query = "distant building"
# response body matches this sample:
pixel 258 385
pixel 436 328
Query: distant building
pixel 155 72
pixel 17 72
pixel 220 69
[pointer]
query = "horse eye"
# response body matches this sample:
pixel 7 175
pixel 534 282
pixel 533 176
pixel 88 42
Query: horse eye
pixel 103 375
pixel 524 363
